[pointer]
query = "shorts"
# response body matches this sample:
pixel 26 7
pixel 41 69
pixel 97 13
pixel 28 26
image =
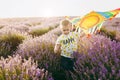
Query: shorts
pixel 67 63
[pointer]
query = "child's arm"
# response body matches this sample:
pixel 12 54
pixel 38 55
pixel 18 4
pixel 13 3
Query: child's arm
pixel 57 48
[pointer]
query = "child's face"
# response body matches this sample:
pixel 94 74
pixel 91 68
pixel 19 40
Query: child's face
pixel 66 29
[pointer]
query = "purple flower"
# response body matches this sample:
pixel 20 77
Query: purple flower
pixel 104 70
pixel 113 72
pixel 38 73
pixel 46 66
pixel 50 78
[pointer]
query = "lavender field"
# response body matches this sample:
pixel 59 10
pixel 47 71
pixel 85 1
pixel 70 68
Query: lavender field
pixel 26 51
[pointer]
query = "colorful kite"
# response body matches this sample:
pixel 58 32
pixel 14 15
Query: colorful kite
pixel 90 20
pixel 93 21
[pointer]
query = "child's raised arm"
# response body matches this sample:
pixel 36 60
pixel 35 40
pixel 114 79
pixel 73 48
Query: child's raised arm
pixel 82 34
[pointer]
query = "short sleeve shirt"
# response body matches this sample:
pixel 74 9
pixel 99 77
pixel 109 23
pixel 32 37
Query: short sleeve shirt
pixel 69 43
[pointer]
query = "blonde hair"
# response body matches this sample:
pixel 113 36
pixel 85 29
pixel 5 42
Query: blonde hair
pixel 65 22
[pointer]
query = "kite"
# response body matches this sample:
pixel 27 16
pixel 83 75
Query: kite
pixel 92 22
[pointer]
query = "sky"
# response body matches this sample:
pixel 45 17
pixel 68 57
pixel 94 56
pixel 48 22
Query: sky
pixel 51 8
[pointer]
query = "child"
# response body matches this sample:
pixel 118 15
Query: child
pixel 66 44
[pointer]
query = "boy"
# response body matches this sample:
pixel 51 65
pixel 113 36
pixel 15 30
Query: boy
pixel 66 44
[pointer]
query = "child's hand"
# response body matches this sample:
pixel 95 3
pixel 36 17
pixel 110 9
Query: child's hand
pixel 82 34
pixel 57 48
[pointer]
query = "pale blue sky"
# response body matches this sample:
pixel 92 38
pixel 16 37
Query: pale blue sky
pixel 41 8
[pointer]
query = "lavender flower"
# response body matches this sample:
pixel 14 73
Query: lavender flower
pixel 100 59
pixel 17 68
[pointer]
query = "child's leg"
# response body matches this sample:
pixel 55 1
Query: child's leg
pixel 67 65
